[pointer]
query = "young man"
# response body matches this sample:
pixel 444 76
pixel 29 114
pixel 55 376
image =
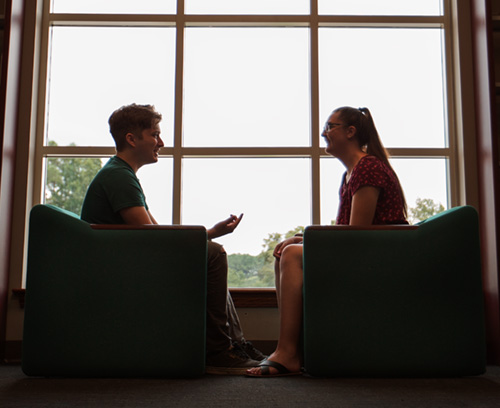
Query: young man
pixel 115 196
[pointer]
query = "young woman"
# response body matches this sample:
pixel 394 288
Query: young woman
pixel 370 193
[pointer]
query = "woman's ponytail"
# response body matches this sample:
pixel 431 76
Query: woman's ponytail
pixel 368 137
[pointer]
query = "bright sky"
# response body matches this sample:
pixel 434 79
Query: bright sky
pixel 250 87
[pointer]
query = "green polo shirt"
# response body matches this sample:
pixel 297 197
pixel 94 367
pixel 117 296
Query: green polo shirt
pixel 114 188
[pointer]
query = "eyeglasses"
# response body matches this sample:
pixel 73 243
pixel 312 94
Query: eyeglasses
pixel 329 126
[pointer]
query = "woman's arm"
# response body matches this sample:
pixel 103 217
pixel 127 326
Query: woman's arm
pixel 364 204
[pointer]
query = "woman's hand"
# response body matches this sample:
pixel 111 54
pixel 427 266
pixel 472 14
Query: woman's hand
pixel 278 250
pixel 224 227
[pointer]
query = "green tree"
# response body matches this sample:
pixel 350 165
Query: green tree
pixel 424 208
pixel 243 270
pixel 257 271
pixel 68 180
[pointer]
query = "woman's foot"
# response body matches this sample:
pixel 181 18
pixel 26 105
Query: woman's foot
pixel 285 366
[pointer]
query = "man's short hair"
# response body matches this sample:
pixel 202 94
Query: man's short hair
pixel 131 119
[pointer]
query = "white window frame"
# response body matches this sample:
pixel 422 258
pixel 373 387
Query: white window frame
pixel 315 152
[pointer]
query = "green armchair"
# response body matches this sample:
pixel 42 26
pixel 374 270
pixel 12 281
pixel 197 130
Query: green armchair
pixel 395 301
pixel 112 300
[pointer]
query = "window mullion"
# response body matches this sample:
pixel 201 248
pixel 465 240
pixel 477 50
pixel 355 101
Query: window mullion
pixel 38 167
pixel 455 186
pixel 179 80
pixel 314 74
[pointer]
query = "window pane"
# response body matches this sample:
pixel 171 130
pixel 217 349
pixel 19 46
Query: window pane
pixel 421 179
pixel 94 71
pixel 247 7
pixel 67 180
pixel 246 87
pixel 381 7
pixel 396 73
pixel 215 188
pixel 115 6
pixel 156 181
pixel 331 176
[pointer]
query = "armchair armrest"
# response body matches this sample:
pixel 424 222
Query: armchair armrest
pixel 153 227
pixel 395 227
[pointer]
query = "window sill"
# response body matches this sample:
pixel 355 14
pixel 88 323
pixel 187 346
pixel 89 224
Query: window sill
pixel 254 297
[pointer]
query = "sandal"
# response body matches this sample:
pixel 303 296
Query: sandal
pixel 265 372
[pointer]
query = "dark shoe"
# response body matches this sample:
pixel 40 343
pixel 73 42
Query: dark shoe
pixel 230 362
pixel 252 352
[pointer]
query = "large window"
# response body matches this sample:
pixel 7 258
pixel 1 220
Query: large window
pixel 244 88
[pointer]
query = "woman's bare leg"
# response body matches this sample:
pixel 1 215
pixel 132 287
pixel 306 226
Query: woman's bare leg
pixel 290 284
pixel 277 279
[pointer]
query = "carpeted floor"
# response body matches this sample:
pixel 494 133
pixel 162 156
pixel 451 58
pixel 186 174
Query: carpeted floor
pixel 17 390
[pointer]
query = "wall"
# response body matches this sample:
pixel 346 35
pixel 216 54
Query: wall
pixel 9 90
pixel 259 324
pixel 487 164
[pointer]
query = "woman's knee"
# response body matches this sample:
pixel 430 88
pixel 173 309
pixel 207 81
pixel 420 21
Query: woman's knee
pixel 292 253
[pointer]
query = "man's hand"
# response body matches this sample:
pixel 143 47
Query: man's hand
pixel 224 227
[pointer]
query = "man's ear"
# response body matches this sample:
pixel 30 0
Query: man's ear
pixel 130 138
